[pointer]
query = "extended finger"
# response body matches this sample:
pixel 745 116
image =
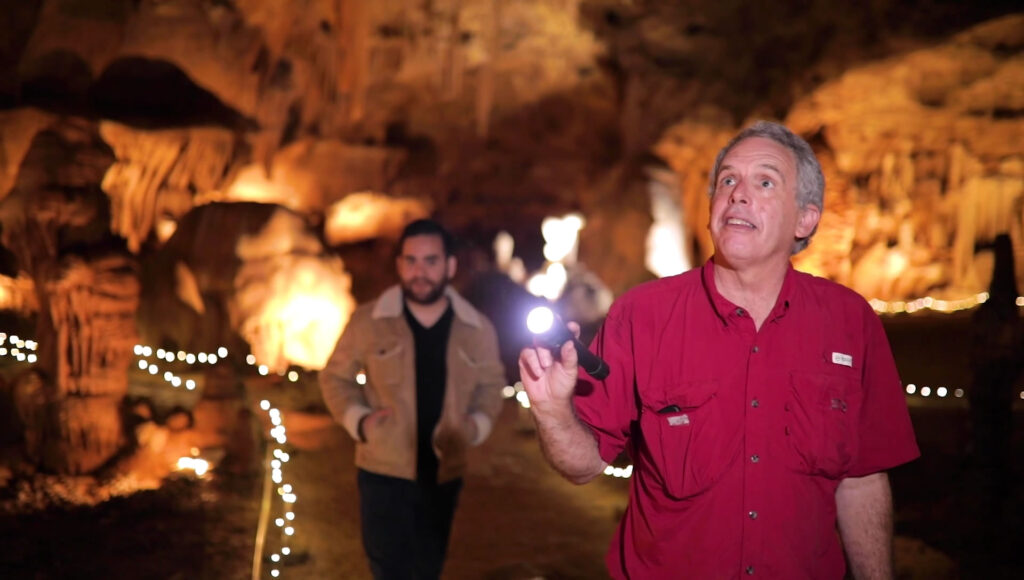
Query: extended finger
pixel 529 364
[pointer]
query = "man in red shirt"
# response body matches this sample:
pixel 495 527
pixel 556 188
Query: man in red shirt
pixel 761 406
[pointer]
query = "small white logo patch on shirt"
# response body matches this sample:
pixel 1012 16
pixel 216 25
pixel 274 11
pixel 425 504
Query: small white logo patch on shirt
pixel 677 420
pixel 842 359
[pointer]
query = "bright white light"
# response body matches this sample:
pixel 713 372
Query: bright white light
pixel 289 516
pixel 508 391
pixel 361 378
pixel 143 364
pixel 911 389
pixel 287 488
pixel 560 237
pixel 211 358
pixel 288 498
pixel 176 381
pixel 941 391
pixel 202 357
pixel 550 283
pixel 160 353
pixel 275 557
pixel 293 376
pixel 169 357
pixel 153 370
pixel 31 358
pixel 279 522
pixel 275 573
pixel 190 358
pixel 523 399
pixel 286 550
pixel 925 391
pixel 137 350
pixel 199 466
pixel 147 351
pixel 540 319
pixel 168 375
pixel 264 370
pixel 289 530
pixel 181 355
pixel 264 404
pixel 190 385
pixel 222 352
pixel 250 359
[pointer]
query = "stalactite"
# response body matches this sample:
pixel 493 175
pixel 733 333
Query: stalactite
pixel 353 82
pixel 152 163
pixel 143 162
pixel 485 86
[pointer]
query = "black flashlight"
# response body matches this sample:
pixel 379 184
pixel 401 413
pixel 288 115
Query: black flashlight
pixel 552 333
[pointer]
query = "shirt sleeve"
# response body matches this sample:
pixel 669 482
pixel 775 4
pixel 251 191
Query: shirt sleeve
pixel 608 407
pixel 342 394
pixel 885 433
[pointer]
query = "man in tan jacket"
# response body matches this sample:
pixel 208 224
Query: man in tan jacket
pixel 432 389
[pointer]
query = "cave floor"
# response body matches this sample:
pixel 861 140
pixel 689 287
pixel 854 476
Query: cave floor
pixel 517 519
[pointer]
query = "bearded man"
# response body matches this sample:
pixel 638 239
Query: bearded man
pixel 432 389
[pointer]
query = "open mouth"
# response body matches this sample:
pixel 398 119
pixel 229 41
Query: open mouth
pixel 739 222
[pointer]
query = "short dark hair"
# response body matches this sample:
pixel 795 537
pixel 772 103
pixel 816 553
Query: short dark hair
pixel 428 227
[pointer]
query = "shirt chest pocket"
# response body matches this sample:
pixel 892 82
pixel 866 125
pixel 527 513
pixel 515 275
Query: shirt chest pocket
pixel 820 423
pixel 686 442
pixel 384 364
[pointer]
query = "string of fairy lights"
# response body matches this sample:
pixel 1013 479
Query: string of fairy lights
pixel 284 521
pixel 930 303
pixel 18 348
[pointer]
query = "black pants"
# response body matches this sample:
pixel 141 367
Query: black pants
pixel 406 525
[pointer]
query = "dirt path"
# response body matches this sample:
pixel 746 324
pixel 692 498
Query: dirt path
pixel 517 519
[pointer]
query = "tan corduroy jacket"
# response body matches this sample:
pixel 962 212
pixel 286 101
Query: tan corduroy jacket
pixel 379 342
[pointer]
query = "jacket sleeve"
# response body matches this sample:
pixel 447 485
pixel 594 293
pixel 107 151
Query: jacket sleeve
pixel 344 396
pixel 485 403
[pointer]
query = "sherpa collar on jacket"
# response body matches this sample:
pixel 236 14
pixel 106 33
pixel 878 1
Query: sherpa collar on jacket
pixel 389 305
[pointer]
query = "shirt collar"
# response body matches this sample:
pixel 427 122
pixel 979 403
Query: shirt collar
pixel 723 307
pixel 390 304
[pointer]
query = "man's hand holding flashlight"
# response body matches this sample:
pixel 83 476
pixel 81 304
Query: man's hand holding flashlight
pixel 548 378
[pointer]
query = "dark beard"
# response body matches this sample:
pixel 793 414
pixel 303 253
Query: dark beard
pixel 431 297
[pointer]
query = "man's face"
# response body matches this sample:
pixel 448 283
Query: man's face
pixel 754 212
pixel 423 268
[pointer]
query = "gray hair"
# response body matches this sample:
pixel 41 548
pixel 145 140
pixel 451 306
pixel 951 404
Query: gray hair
pixel 810 181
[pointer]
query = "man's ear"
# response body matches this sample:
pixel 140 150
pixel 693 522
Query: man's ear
pixel 807 221
pixel 452 266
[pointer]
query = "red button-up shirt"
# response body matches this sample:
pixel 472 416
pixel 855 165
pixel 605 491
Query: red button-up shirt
pixel 739 437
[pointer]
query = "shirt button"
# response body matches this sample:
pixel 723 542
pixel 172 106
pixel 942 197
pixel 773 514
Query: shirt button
pixel 755 458
pixel 753 515
pixel 754 349
pixel 740 312
pixel 755 403
pixel 787 430
pixel 750 570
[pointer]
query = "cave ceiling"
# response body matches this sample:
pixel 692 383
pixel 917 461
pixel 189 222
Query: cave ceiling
pixel 493 114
